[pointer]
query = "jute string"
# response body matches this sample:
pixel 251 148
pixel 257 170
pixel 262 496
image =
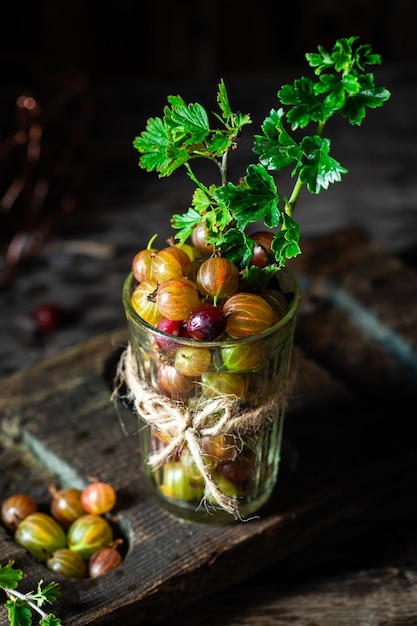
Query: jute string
pixel 221 415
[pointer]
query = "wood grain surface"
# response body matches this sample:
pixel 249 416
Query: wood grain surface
pixel 347 480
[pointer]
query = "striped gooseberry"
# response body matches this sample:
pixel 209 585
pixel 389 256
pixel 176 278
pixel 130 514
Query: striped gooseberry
pixel 176 298
pixel 233 386
pixel 142 264
pixel 68 563
pixel 66 505
pixel 99 497
pixel 41 535
pixel 244 357
pixel 144 301
pixel 192 361
pixel 199 239
pixel 173 383
pixel 247 314
pixel 178 486
pixel 170 262
pixel 104 560
pixel 15 508
pixel 88 534
pixel 218 278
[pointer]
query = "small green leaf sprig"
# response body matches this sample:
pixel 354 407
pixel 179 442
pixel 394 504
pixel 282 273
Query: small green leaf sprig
pixel 340 85
pixel 21 605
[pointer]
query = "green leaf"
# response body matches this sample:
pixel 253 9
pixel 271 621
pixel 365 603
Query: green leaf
pixel 10 576
pixel 256 198
pixel 49 593
pixel 319 169
pixel 368 95
pixel 153 143
pixel 223 101
pixel 188 124
pixel 276 148
pixel 18 612
pixel 50 620
pixel 258 277
pixel 285 243
pixel 237 246
pixel 305 106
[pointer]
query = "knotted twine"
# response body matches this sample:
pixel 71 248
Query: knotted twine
pixel 221 415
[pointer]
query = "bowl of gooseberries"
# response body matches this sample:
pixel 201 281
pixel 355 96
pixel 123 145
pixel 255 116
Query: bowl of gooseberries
pixel 199 336
pixel 72 536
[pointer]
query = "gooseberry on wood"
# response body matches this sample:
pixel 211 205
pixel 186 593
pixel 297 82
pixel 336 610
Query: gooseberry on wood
pixel 68 563
pixel 66 505
pixel 15 508
pixel 104 561
pixel 88 534
pixel 41 535
pixel 98 498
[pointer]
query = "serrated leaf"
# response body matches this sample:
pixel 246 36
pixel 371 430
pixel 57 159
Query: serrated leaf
pixel 188 124
pixel 258 278
pixel 285 243
pixel 18 612
pixel 153 144
pixel 319 169
pixel 49 593
pixel 237 246
pixel 256 198
pixel 50 620
pixel 305 105
pixel 185 223
pixel 223 101
pixel 10 576
pixel 276 148
pixel 368 96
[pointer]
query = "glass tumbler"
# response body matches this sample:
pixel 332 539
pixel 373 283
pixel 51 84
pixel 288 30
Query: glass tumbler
pixel 211 413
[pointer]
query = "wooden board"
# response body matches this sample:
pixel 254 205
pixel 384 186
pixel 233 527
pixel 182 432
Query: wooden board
pixel 345 451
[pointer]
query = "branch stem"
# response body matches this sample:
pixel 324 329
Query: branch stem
pixel 26 598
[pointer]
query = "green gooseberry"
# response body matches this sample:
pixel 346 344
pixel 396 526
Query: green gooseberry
pixel 88 534
pixel 41 535
pixel 245 357
pixel 232 385
pixel 178 486
pixel 68 563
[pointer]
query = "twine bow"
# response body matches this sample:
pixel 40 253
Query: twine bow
pixel 221 415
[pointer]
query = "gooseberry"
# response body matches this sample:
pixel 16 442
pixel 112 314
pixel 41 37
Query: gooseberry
pixel 192 360
pixel 262 252
pixel 170 262
pixel 144 301
pixel 104 560
pixel 41 535
pixel 206 322
pixel 218 278
pixel 177 297
pixel 15 508
pixel 98 498
pixel 68 563
pixel 66 505
pixel 247 314
pixel 88 534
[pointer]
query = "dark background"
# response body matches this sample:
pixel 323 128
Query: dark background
pixel 99 70
pixel 161 40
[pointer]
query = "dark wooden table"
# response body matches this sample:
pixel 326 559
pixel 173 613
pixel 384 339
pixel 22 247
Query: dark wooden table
pixel 337 546
pixel 337 543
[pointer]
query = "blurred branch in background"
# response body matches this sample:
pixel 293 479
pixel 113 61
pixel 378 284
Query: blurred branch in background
pixel 45 161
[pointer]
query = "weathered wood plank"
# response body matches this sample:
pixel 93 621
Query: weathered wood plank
pixel 348 459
